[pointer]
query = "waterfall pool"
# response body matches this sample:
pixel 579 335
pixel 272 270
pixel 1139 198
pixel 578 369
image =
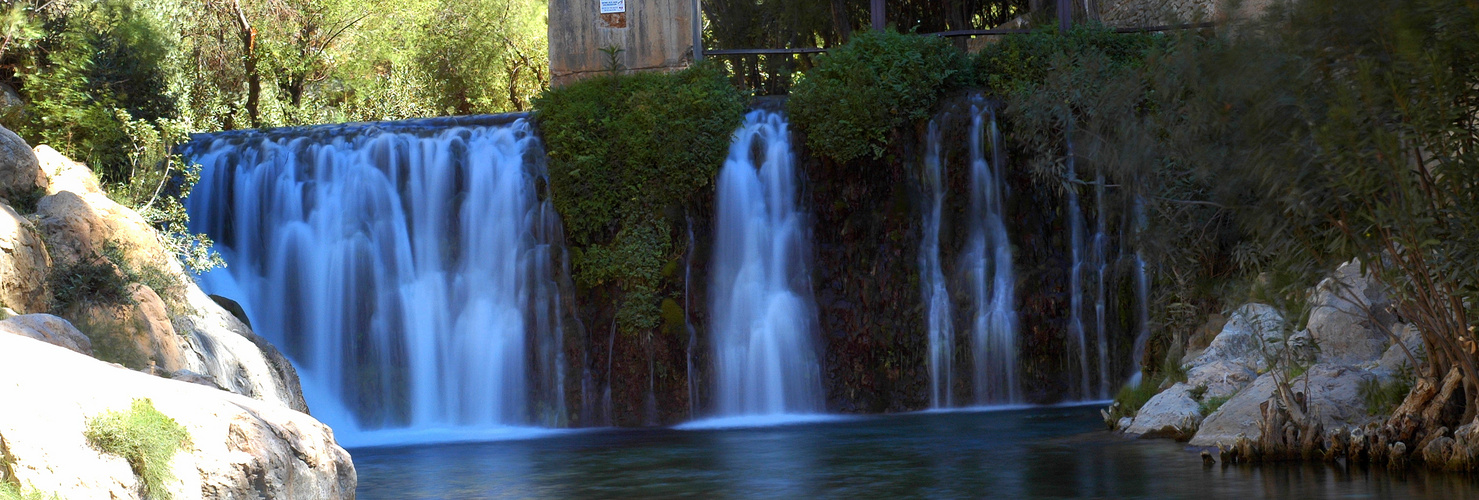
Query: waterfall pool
pixel 1052 452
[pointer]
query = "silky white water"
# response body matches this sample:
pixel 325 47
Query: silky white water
pixel 763 315
pixel 936 294
pixel 408 271
pixel 987 262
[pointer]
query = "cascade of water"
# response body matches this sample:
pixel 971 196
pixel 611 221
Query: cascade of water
pixel 932 276
pixel 1076 279
pixel 1101 261
pixel 987 262
pixel 687 320
pixel 763 310
pixel 1142 295
pixel 406 268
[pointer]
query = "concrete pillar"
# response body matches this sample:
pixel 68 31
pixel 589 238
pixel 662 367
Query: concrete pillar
pixel 652 35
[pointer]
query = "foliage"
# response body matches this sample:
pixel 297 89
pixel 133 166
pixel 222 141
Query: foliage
pixel 145 437
pixel 1210 405
pixel 1130 398
pixel 1021 64
pixel 464 39
pixel 623 150
pixel 97 279
pixel 12 492
pixel 1382 396
pixel 859 93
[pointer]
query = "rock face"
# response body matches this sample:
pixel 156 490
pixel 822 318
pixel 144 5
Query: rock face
pixel 20 173
pixel 190 332
pixel 1331 392
pixel 1173 413
pixel 234 358
pixel 23 264
pixel 1347 316
pixel 50 329
pixel 240 447
pixel 1235 356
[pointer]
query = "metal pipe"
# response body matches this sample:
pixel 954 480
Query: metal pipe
pixel 698 31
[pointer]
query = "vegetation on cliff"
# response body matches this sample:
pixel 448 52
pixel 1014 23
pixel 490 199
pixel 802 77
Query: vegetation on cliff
pixel 627 154
pixel 146 438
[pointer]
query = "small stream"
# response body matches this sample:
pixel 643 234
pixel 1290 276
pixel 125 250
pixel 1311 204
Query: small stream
pixel 1024 453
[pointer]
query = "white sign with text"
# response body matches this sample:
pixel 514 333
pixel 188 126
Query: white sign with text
pixel 613 6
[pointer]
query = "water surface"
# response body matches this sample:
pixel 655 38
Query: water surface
pixel 1027 453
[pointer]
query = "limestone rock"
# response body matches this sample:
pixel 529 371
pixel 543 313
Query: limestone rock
pixel 240 448
pixel 1395 358
pixel 1242 337
pixel 63 174
pixel 50 329
pixel 233 357
pixel 20 173
pixel 1347 314
pixel 24 264
pixel 1235 355
pixel 1332 392
pixel 1172 413
pixel 136 333
pixel 78 226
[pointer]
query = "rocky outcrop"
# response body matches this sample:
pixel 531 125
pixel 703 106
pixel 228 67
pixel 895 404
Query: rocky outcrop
pixel 20 173
pixel 240 448
pixel 1173 413
pixel 1349 317
pixel 50 329
pixel 1235 356
pixel 23 264
pixel 174 330
pixel 1331 394
pixel 234 358
pixel 135 332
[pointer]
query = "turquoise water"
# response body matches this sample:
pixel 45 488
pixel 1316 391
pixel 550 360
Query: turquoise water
pixel 1030 453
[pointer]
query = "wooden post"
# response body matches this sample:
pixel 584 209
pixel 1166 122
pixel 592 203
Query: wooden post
pixel 698 31
pixel 878 19
pixel 1065 16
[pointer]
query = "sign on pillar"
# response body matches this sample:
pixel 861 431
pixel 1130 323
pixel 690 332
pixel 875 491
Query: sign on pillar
pixel 613 13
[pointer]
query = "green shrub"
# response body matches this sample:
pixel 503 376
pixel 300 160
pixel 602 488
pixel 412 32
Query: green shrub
pixel 624 151
pixel 145 437
pixel 97 278
pixel 1022 63
pixel 1212 404
pixel 1131 398
pixel 1381 397
pixel 858 93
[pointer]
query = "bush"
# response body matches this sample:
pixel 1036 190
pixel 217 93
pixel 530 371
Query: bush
pixel 624 151
pixel 1211 404
pixel 145 437
pixel 1022 63
pixel 1381 397
pixel 858 93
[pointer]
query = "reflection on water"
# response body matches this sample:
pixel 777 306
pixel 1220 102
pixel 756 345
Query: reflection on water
pixel 1036 453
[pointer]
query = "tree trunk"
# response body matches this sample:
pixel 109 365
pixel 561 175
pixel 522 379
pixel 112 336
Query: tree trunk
pixel 248 36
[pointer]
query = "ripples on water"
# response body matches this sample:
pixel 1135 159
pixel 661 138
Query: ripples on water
pixel 1034 453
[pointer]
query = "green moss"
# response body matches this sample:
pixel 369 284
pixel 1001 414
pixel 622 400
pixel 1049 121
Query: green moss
pixel 849 104
pixel 145 437
pixel 623 150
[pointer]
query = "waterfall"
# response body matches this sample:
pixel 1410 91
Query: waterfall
pixel 1101 261
pixel 932 276
pixel 1142 295
pixel 1076 276
pixel 407 268
pixel 987 262
pixel 688 320
pixel 763 313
